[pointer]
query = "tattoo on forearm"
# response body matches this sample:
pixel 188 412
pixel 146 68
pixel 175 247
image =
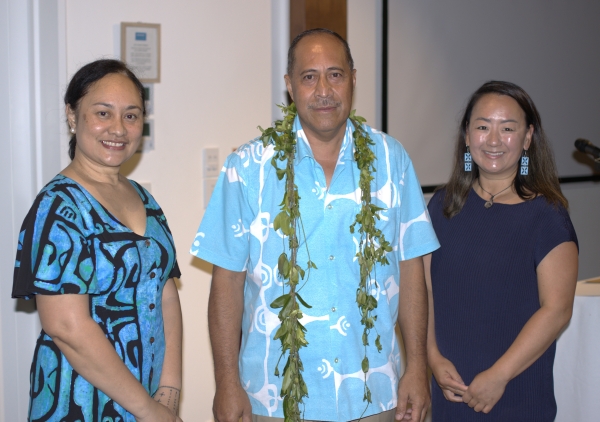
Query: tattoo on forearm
pixel 168 397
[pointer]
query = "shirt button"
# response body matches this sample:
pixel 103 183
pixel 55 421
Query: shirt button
pixel 152 275
pixel 336 360
pixel 147 243
pixel 331 257
pixel 151 306
pixel 329 206
pixel 151 340
pixel 333 309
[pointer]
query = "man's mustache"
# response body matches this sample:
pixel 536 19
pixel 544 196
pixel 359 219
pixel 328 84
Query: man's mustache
pixel 324 103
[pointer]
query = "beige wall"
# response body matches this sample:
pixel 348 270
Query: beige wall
pixel 215 90
pixel 364 37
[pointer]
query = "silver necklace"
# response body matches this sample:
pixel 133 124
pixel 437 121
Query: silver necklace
pixel 489 203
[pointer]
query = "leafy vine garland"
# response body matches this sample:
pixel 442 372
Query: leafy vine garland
pixel 372 250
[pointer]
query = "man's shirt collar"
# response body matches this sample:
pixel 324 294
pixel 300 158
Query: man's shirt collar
pixel 304 150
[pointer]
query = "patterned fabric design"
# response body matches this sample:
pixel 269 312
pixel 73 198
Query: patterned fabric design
pixel 237 233
pixel 70 244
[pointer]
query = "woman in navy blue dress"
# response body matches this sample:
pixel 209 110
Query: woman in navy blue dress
pixel 96 253
pixel 502 284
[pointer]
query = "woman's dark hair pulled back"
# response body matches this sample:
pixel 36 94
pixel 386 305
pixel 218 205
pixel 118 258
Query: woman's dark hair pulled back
pixel 87 76
pixel 542 178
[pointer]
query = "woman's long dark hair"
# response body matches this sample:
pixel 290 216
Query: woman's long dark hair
pixel 542 178
pixel 88 75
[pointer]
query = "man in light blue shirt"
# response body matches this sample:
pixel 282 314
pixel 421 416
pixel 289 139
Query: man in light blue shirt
pixel 236 235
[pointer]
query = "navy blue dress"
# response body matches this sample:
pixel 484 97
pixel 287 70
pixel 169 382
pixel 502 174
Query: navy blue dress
pixel 70 244
pixel 485 289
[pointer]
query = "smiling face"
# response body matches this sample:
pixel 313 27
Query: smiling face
pixel 321 85
pixel 497 134
pixel 108 122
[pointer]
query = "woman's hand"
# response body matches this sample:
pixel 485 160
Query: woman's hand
pixel 443 370
pixel 557 279
pixel 156 412
pixel 448 378
pixel 485 391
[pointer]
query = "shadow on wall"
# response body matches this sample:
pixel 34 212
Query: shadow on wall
pixel 582 158
pixel 26 306
pixel 129 166
pixel 202 265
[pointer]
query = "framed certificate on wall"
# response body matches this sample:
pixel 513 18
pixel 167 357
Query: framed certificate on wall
pixel 140 49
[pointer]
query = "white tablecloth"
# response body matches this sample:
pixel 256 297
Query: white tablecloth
pixel 577 364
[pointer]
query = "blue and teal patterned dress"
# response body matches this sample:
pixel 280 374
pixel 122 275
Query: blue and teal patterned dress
pixel 70 244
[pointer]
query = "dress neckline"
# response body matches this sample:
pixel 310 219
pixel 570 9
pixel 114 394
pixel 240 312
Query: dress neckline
pixel 476 195
pixel 89 195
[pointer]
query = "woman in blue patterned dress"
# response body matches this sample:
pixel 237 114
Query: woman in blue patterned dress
pixel 501 285
pixel 97 254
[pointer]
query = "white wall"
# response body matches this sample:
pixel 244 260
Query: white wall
pixel 218 64
pixel 30 43
pixel 218 68
pixel 214 91
pixel 216 88
pixel 584 204
pixel 440 52
pixel 364 37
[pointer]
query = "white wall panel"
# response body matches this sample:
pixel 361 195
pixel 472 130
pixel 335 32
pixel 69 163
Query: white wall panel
pixel 29 102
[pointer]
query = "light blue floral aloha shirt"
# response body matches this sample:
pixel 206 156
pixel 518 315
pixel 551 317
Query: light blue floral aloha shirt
pixel 237 234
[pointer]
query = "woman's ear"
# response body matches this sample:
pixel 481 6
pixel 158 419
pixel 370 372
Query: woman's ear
pixel 528 138
pixel 70 113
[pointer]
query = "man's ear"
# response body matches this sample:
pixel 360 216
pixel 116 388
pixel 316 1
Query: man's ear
pixel 288 85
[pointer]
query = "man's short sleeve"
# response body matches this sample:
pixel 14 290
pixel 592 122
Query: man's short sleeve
pixel 417 236
pixel 223 236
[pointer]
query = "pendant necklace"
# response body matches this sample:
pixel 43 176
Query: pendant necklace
pixel 489 203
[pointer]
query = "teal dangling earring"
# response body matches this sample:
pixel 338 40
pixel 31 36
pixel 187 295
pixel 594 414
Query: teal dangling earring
pixel 524 163
pixel 468 160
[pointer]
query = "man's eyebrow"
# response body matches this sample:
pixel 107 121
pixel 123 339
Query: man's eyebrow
pixel 308 71
pixel 328 69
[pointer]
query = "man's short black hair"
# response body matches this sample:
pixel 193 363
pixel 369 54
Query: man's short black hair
pixel 316 31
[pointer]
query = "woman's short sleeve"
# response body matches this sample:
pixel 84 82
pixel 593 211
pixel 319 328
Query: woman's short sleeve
pixel 175 271
pixel 554 227
pixel 55 249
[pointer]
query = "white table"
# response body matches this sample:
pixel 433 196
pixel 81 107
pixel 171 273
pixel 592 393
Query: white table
pixel 577 364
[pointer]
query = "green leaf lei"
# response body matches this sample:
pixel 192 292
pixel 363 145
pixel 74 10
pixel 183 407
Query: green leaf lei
pixel 372 250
